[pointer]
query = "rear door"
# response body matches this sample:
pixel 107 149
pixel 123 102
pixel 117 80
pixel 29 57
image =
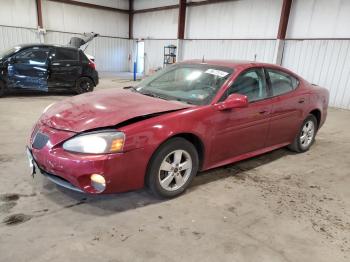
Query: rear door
pixel 287 106
pixel 64 68
pixel 29 69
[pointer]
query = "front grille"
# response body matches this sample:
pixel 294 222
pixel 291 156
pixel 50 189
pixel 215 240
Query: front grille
pixel 40 140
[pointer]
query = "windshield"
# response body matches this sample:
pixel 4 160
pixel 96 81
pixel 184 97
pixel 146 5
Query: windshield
pixel 190 83
pixel 9 52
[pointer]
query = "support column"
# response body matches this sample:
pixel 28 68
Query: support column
pixel 181 29
pixel 131 18
pixel 282 29
pixel 41 30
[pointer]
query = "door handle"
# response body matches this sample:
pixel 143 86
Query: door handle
pixel 301 101
pixel 264 111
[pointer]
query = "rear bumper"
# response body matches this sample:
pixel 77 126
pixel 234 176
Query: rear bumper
pixel 95 78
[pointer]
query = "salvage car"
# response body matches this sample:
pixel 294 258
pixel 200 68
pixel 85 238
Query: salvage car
pixel 189 117
pixel 41 67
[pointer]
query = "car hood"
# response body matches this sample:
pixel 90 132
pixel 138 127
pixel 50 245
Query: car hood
pixel 104 109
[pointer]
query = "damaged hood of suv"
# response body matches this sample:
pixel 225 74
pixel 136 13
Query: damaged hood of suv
pixel 105 108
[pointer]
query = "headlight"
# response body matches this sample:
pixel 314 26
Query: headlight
pixel 96 143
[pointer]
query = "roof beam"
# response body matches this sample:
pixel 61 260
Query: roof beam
pixel 283 24
pixel 182 19
pixel 83 4
pixel 39 13
pixel 169 7
pixel 131 19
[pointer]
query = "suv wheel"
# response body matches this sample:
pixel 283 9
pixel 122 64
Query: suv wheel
pixel 84 85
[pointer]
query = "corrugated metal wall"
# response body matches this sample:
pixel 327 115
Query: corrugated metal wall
pixel 160 24
pixel 70 18
pixel 234 19
pixel 319 19
pixel 259 50
pixel 323 62
pixel 12 36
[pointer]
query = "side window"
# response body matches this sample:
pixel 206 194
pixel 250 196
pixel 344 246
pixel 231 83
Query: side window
pixel 281 82
pixel 251 84
pixel 33 56
pixel 66 54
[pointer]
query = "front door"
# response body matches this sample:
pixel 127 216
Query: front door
pixel 243 130
pixel 28 69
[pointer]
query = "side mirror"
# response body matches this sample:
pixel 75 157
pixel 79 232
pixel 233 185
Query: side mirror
pixel 233 101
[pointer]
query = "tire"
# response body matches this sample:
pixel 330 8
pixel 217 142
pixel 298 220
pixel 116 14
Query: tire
pixel 2 89
pixel 84 85
pixel 307 130
pixel 172 168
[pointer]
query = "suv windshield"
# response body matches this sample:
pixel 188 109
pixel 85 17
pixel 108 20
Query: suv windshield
pixel 9 52
pixel 190 83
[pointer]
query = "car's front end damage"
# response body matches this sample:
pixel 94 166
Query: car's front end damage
pixel 89 173
pixel 83 145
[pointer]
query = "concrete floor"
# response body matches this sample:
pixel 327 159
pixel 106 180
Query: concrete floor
pixel 277 207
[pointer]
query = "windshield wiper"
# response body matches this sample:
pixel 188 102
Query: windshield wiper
pixel 132 88
pixel 152 95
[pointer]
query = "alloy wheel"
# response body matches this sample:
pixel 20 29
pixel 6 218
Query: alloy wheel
pixel 175 170
pixel 307 134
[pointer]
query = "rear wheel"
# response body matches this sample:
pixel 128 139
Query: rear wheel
pixel 306 135
pixel 172 168
pixel 2 89
pixel 84 84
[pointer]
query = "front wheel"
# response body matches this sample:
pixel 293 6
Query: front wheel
pixel 172 168
pixel 83 85
pixel 306 135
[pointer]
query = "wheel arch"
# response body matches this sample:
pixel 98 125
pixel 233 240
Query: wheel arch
pixel 317 114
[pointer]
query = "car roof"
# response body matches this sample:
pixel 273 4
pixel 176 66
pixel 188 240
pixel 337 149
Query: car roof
pixel 23 46
pixel 229 63
pixel 238 64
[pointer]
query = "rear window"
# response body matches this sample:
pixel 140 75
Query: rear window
pixel 281 82
pixel 63 54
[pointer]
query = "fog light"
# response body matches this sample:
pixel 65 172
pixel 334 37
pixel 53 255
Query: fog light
pixel 98 182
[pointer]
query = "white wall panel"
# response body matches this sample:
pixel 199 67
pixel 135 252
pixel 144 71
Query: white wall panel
pixel 145 4
pixel 21 13
pixel 154 53
pixel 111 53
pixel 261 50
pixel 121 4
pixel 77 19
pixel 12 36
pixel 323 62
pixel 234 19
pixel 319 19
pixel 159 24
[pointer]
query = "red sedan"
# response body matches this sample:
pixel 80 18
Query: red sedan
pixel 189 117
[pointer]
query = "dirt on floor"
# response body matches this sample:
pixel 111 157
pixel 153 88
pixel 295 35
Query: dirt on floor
pixel 279 206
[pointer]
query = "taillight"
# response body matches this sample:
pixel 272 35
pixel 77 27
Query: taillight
pixel 92 65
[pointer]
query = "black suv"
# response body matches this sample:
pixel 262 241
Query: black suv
pixel 42 67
